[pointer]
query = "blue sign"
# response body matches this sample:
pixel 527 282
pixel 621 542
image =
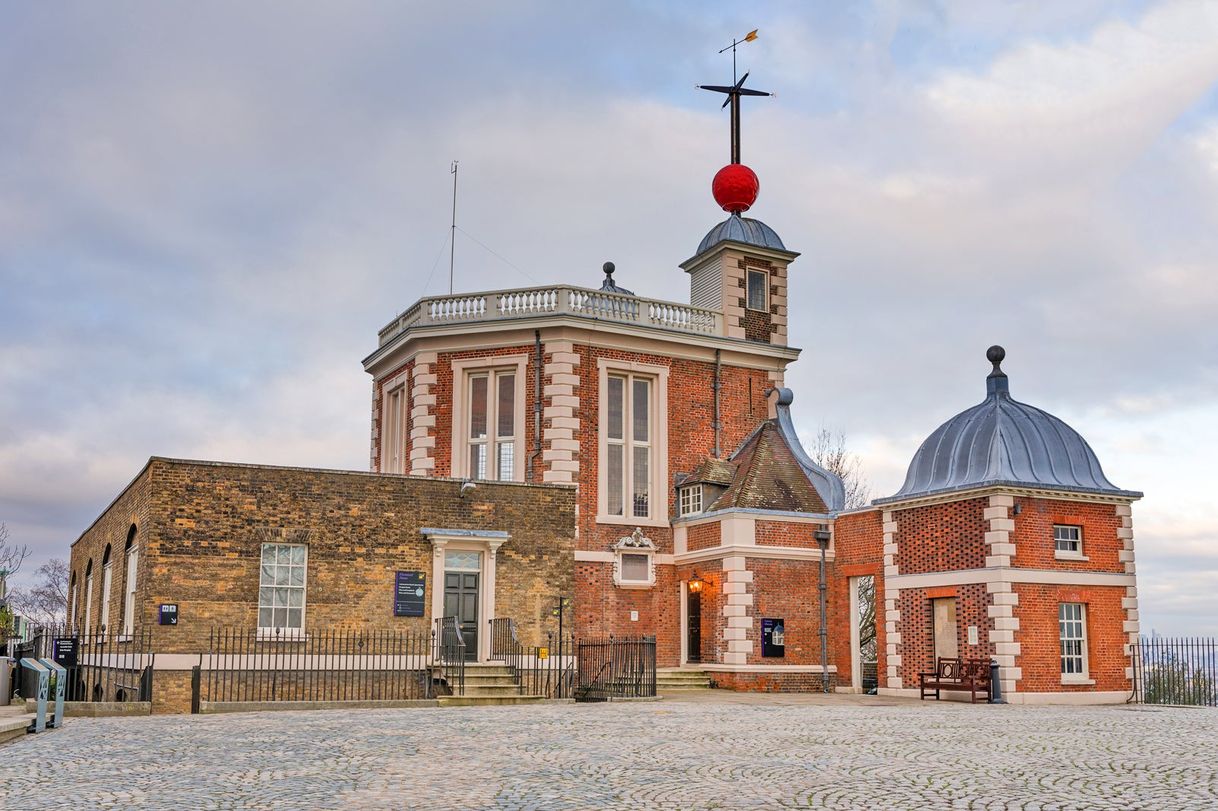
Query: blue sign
pixel 408 591
pixel 773 638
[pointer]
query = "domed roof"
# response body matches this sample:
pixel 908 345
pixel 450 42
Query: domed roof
pixel 1003 441
pixel 742 229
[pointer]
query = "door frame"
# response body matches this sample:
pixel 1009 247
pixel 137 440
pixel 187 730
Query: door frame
pixel 485 541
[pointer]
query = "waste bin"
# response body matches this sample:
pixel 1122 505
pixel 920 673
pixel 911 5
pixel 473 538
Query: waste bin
pixel 6 680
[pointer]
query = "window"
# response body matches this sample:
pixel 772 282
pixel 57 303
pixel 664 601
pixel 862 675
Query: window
pixel 71 614
pixel 488 418
pixel 281 587
pixel 691 499
pixel 107 579
pixel 1072 619
pixel 89 598
pixel 129 584
pixel 628 441
pixel 492 425
pixel 1067 541
pixel 757 283
pixel 393 447
pixel 633 565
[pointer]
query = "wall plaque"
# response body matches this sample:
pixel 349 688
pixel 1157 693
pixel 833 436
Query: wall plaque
pixel 409 589
pixel 168 614
pixel 773 637
pixel 64 651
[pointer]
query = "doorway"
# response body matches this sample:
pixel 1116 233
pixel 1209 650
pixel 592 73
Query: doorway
pixel 693 625
pixel 943 611
pixel 863 671
pixel 461 601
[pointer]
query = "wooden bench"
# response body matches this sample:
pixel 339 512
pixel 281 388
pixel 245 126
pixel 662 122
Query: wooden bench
pixel 971 675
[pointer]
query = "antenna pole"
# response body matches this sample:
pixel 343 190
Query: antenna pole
pixel 452 243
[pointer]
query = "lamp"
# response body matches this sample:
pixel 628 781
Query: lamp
pixel 695 583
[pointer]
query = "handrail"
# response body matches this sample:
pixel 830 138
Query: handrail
pixel 450 652
pixel 499 305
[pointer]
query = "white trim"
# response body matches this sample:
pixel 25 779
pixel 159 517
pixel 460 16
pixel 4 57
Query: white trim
pixel 658 443
pixel 471 541
pixel 683 604
pixel 596 556
pixel 856 654
pixel 462 368
pixel 304 592
pixel 1007 574
pixel 1071 697
pixel 1008 489
pixel 750 551
pixel 717 668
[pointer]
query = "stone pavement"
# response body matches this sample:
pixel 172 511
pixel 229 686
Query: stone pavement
pixel 719 750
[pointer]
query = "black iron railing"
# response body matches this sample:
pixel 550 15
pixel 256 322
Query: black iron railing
pixel 538 670
pixel 1176 671
pixel 257 665
pixel 621 667
pixel 449 654
pixel 101 665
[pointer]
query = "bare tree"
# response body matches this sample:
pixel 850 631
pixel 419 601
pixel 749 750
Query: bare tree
pixel 828 449
pixel 45 603
pixel 11 555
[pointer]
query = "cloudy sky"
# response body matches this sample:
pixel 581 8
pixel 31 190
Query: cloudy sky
pixel 208 209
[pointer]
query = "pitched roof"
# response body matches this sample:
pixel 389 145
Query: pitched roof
pixel 712 471
pixel 773 472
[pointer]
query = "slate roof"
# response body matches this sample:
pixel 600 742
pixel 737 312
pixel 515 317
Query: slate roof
pixel 1003 441
pixel 773 472
pixel 742 229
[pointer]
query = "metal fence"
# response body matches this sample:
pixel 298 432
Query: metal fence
pixel 1176 671
pixel 538 670
pixel 101 665
pixel 249 665
pixel 623 667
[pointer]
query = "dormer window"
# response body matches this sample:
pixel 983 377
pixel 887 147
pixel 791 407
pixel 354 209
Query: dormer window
pixel 690 501
pixel 634 564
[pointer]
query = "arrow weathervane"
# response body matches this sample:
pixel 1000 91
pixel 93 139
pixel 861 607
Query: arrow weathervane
pixel 734 93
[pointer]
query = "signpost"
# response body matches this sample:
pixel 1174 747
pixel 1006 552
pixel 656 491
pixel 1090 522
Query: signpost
pixel 63 650
pixel 409 589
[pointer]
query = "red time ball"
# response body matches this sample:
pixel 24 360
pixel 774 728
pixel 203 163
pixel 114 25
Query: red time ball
pixel 735 187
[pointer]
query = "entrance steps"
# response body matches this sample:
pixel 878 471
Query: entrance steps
pixel 488 684
pixel 669 679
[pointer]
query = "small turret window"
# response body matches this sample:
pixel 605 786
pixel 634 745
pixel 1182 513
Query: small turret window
pixel 757 283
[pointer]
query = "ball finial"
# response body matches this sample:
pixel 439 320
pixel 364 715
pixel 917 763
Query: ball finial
pixel 995 354
pixel 608 267
pixel 735 187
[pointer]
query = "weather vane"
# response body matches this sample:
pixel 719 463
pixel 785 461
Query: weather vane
pixel 734 93
pixel 735 186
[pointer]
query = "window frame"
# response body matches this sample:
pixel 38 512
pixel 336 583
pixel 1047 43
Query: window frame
pixel 638 545
pixel 283 632
pixel 394 421
pixel 1084 676
pixel 130 579
pixel 659 491
pixel 1069 554
pixel 463 371
pixel 88 597
pixel 765 290
pixel 685 506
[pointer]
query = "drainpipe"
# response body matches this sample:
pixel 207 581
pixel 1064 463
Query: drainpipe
pixel 536 406
pixel 822 540
pixel 715 423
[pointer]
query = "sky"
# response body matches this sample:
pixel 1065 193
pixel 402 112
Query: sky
pixel 208 210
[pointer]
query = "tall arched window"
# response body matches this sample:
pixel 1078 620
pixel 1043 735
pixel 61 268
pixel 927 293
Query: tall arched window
pixel 106 580
pixel 71 615
pixel 89 597
pixel 129 584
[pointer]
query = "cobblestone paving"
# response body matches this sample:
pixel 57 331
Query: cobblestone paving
pixel 766 752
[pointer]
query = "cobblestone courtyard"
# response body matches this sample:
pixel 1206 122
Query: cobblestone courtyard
pixel 721 752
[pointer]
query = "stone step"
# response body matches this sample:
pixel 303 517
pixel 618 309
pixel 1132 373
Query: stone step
pixel 491 689
pixel 477 701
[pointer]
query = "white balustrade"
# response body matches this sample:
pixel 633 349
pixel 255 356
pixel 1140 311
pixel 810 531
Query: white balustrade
pixel 558 300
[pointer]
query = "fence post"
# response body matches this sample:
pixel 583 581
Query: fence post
pixel 195 673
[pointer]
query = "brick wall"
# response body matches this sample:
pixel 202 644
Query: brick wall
pixel 858 542
pixel 787 589
pixel 206 524
pixel 942 537
pixel 1033 535
pixel 1040 637
pixel 703 536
